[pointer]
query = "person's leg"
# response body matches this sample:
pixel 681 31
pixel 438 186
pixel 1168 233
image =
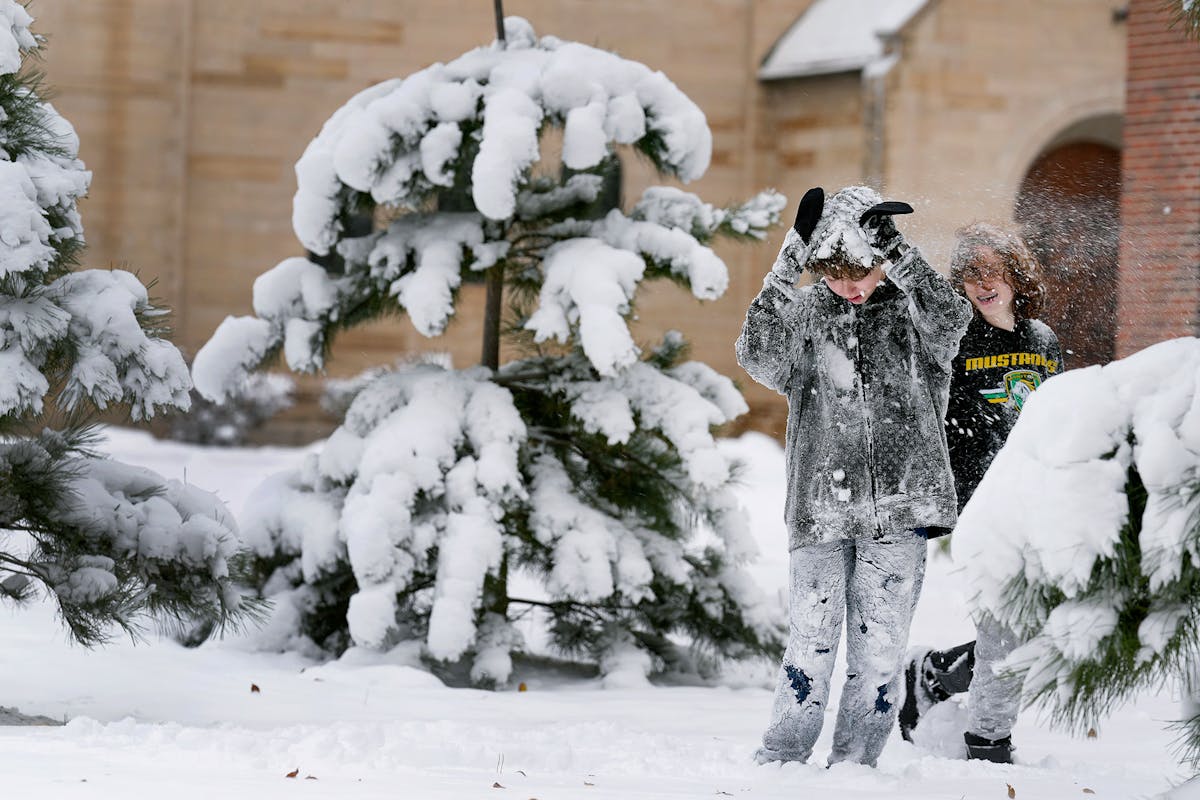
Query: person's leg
pixel 931 676
pixel 816 605
pixel 994 699
pixel 879 610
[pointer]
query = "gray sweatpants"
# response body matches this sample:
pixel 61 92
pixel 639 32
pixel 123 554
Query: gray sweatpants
pixel 873 585
pixel 993 700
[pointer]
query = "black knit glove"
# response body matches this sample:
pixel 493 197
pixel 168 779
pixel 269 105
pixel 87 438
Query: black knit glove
pixel 795 251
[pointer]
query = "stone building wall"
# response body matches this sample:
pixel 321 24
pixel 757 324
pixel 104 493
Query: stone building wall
pixel 192 114
pixel 981 89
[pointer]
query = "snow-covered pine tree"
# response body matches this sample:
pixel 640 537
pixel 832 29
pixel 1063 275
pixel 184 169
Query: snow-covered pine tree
pixel 231 422
pixel 1096 565
pixel 581 480
pixel 107 540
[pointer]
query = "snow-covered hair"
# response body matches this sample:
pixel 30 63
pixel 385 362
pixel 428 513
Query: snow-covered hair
pixel 1022 272
pixel 840 246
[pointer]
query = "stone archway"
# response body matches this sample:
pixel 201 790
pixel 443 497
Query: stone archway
pixel 1069 211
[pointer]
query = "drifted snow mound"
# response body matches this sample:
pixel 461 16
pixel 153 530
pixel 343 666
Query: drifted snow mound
pixel 941 730
pixel 1039 537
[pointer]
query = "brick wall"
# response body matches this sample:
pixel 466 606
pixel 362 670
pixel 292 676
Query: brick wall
pixel 1160 206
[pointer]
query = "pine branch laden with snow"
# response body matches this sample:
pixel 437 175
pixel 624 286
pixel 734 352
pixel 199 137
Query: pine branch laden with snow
pixel 108 541
pixel 1100 573
pixel 90 335
pixel 466 135
pixel 1186 15
pixel 231 423
pixel 111 542
pixel 435 482
pixel 590 463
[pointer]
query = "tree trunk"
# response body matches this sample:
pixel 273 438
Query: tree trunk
pixel 490 356
pixel 495 591
pixel 499 5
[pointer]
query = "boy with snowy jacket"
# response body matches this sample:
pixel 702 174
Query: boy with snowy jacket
pixel 863 357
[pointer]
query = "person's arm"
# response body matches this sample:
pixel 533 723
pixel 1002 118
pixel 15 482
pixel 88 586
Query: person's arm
pixel 1055 351
pixel 766 348
pixel 940 314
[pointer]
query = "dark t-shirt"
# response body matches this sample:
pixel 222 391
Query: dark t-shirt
pixel 993 373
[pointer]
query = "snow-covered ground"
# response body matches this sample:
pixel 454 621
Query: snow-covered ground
pixel 158 720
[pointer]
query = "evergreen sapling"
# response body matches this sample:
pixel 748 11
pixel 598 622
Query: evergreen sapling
pixel 580 481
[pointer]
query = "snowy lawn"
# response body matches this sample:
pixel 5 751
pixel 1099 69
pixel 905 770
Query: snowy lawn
pixel 157 719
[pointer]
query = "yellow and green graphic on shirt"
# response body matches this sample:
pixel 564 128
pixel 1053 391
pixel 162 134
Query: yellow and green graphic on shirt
pixel 1011 360
pixel 1018 385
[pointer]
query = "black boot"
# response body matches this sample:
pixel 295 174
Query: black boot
pixel 921 692
pixel 952 669
pixel 998 751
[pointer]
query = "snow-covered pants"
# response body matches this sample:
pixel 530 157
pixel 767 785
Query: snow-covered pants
pixel 873 584
pixel 993 700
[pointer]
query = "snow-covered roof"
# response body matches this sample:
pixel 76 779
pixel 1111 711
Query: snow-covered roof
pixel 836 36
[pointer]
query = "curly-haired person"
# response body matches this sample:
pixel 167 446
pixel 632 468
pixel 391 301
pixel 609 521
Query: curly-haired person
pixel 1006 354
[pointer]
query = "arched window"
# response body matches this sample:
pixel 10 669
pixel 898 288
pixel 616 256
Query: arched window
pixel 1069 212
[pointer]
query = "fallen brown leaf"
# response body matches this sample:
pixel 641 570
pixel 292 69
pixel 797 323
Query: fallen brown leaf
pixel 521 687
pixel 1092 733
pixel 254 689
pixel 293 773
pixel 497 785
pixel 1011 791
pixel 1088 791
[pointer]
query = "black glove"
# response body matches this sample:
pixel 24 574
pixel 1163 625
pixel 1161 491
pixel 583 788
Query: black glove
pixel 884 237
pixel 808 213
pixel 795 251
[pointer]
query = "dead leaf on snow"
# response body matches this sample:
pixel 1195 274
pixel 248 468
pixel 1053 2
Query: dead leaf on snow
pixel 521 687
pixel 310 777
pixel 293 773
pixel 1092 733
pixel 1011 791
pixel 254 689
pixel 1087 791
pixel 497 785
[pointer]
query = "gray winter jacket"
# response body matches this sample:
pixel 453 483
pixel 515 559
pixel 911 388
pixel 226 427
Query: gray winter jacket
pixel 867 388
